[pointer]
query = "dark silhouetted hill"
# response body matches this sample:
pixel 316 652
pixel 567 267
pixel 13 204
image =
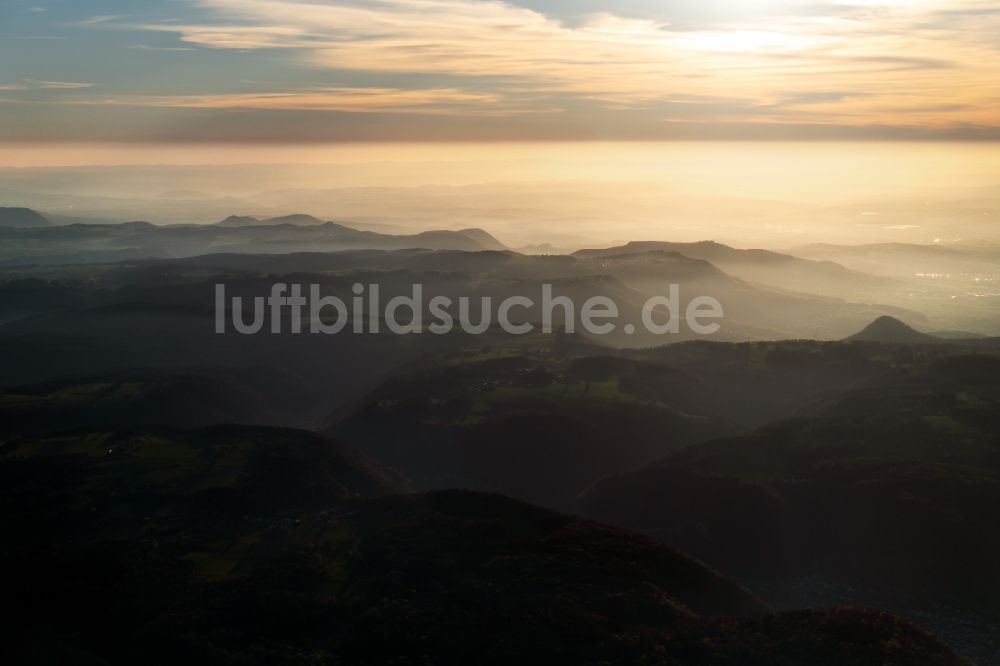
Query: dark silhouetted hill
pixel 198 397
pixel 296 219
pixel 884 494
pixel 22 217
pixel 239 221
pixel 261 546
pixel 892 330
pixel 763 266
pixel 92 243
pixel 513 425
pixel 484 238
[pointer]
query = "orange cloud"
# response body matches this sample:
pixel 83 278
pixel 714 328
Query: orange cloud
pixel 396 100
pixel 904 63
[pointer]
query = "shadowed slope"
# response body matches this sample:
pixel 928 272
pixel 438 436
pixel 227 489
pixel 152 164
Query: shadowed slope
pixel 892 330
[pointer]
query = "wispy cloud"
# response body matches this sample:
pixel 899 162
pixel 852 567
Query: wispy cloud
pixel 356 100
pixel 869 66
pixel 146 47
pixel 97 20
pixel 883 52
pixel 58 85
pixel 31 84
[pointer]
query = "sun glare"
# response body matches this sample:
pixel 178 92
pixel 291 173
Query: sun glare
pixel 744 41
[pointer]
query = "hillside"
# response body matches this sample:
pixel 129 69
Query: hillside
pixel 247 544
pixel 196 397
pixel 544 423
pixel 239 221
pixel 296 219
pixel 891 330
pixel 908 259
pixel 882 494
pixel 22 218
pixel 752 312
pixel 484 238
pixel 257 546
pixel 514 425
pixel 764 266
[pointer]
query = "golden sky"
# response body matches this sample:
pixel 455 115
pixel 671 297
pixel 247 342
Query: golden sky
pixel 400 70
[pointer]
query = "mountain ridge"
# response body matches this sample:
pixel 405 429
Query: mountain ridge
pixel 767 267
pixel 891 330
pixel 22 218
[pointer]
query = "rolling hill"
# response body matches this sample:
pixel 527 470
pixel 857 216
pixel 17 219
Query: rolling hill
pixel 762 266
pixel 752 312
pixel 907 259
pixel 882 493
pixel 95 243
pixel 513 425
pixel 892 330
pixel 262 546
pixel 247 221
pixel 22 218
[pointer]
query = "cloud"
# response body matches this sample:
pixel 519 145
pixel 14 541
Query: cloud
pixel 97 20
pixel 31 84
pixel 878 52
pixel 352 100
pixel 58 85
pixel 146 47
pixel 601 68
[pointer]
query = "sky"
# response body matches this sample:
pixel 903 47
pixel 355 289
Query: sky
pixel 302 71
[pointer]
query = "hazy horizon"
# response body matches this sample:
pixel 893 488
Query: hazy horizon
pixel 566 194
